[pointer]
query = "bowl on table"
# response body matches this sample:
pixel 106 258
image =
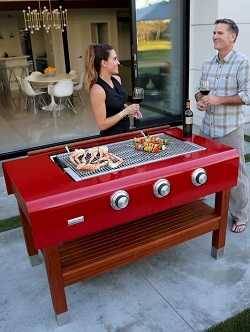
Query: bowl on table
pixel 50 71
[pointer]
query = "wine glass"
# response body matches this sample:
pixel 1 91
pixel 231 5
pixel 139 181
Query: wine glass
pixel 138 95
pixel 137 98
pixel 204 87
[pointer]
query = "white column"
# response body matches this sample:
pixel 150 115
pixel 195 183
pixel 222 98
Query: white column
pixel 202 16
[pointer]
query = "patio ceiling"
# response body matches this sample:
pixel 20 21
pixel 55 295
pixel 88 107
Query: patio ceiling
pixel 19 5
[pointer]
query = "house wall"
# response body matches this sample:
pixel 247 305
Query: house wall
pixel 79 32
pixel 202 17
pixel 124 48
pixel 9 34
pixel 57 50
pixel 38 44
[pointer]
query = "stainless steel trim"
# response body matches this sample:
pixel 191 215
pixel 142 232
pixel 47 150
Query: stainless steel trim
pixel 199 172
pixel 118 195
pixel 217 253
pixel 75 221
pixel 158 186
pixel 73 174
pixel 63 318
pixel 35 260
pixel 132 158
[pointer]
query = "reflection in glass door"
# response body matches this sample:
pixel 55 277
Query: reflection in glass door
pixel 159 61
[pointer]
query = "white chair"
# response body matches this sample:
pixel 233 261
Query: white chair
pixel 13 73
pixel 34 75
pixel 33 97
pixel 4 84
pixel 78 88
pixel 73 73
pixel 62 90
pixel 52 106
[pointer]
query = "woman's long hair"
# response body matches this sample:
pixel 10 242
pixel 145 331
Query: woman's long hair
pixel 93 58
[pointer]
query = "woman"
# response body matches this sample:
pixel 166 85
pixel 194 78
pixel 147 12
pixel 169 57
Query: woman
pixel 107 96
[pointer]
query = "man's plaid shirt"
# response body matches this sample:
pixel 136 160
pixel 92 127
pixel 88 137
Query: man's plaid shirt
pixel 227 77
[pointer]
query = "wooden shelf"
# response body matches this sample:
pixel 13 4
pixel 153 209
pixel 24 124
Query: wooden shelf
pixel 97 253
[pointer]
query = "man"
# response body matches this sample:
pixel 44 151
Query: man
pixel 227 74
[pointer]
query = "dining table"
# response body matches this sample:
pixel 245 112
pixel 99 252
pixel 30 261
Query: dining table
pixel 46 80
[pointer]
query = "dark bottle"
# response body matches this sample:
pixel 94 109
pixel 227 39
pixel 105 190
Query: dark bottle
pixel 187 121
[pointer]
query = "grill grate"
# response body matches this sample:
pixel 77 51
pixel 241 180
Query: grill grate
pixel 131 157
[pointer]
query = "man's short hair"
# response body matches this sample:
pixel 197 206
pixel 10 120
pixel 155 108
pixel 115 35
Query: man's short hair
pixel 231 24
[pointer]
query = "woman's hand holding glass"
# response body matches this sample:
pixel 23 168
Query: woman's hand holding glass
pixel 133 110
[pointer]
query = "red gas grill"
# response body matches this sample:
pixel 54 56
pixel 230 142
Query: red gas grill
pixel 86 223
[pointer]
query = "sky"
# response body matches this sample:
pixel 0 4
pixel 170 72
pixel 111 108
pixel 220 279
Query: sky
pixel 144 3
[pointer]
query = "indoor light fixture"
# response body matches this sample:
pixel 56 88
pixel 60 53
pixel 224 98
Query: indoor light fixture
pixel 46 18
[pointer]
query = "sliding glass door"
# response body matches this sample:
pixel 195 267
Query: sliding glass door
pixel 160 58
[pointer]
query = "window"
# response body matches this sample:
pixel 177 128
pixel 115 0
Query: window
pixel 160 60
pixel 160 65
pixel 99 33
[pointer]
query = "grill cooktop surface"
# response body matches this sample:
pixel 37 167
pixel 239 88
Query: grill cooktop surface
pixel 131 157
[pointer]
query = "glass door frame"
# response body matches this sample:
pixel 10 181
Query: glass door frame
pixel 185 28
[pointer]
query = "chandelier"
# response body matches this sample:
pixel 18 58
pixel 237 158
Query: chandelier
pixel 46 18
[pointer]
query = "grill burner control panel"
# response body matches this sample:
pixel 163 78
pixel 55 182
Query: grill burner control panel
pixel 120 199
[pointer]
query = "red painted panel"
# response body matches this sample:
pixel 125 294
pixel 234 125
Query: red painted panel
pixel 50 197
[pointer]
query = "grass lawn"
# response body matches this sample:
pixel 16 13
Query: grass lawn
pixel 9 223
pixel 247 159
pixel 154 55
pixel 154 45
pixel 247 138
pixel 238 323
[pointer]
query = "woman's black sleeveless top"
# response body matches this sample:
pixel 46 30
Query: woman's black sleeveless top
pixel 116 97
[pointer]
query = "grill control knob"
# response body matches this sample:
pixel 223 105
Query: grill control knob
pixel 199 177
pixel 119 200
pixel 161 188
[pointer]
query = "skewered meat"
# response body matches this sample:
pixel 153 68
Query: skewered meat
pixel 150 144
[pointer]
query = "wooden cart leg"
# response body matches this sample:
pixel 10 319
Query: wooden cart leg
pixel 219 235
pixel 32 251
pixel 56 284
